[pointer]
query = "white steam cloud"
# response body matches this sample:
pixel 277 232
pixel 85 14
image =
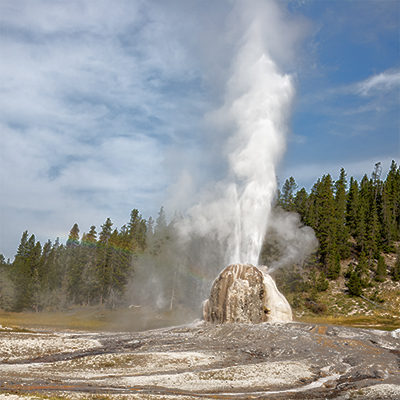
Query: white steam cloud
pixel 292 240
pixel 255 111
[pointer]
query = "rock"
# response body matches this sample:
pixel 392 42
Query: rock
pixel 243 293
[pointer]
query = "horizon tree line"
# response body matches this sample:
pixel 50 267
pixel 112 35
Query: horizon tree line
pixel 357 220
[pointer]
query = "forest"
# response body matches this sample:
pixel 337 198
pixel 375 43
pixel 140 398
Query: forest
pixel 352 220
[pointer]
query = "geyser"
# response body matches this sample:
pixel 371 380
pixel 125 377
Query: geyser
pixel 243 293
pixel 250 126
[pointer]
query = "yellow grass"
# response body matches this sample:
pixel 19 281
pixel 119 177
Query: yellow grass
pixel 59 320
pixel 374 322
pixel 97 318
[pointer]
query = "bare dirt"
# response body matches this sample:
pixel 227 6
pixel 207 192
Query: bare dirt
pixel 203 361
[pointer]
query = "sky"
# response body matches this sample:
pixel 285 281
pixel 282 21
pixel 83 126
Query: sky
pixel 105 106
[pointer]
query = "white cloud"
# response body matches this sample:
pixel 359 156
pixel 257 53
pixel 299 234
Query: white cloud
pixel 384 81
pixel 88 99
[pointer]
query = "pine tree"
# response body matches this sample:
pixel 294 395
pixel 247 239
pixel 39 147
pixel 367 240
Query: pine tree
pixel 85 289
pixel 6 286
pixel 352 207
pixel 361 227
pixel 161 221
pixel 354 284
pixel 368 226
pixel 396 267
pixel 137 231
pixel 103 261
pixel 150 226
pixel 362 270
pixel 37 277
pixel 343 235
pixel 390 213
pixel 373 240
pixel 322 282
pixel 326 226
pixel 25 269
pixel 333 265
pixel 106 231
pixel 287 195
pixel 310 218
pixel 76 265
pixel 91 237
pixel 73 237
pixel 300 204
pixel 381 270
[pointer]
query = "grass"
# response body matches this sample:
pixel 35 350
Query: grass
pixel 79 320
pixel 97 318
pixel 382 323
pixel 125 320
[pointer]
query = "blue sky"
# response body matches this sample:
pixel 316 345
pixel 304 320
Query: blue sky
pixel 104 103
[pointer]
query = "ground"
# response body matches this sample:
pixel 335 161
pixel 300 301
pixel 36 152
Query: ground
pixel 230 361
pixel 380 305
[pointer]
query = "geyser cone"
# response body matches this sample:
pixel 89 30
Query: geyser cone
pixel 243 293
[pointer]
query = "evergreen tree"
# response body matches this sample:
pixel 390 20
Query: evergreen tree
pixel 73 237
pixel 381 271
pixel 373 242
pixel 376 179
pixel 91 237
pixel 106 231
pixel 354 284
pixel 76 265
pixel 103 262
pixel 25 269
pixel 161 221
pixel 322 282
pixel 114 259
pixel 368 226
pixel 310 218
pixel 396 267
pixel 300 204
pixel 49 282
pixel 361 227
pixel 362 270
pixel 6 286
pixel 82 279
pixel 343 235
pixel 137 231
pixel 150 226
pixel 390 214
pixel 325 228
pixel 37 277
pixel 57 275
pixel 352 207
pixel 287 195
pixel 334 267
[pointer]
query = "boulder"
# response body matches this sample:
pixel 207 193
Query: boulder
pixel 243 293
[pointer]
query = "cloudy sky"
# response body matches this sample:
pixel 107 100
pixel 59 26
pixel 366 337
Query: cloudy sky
pixel 103 104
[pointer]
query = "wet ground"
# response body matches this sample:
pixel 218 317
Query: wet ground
pixel 230 361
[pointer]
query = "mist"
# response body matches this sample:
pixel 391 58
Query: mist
pixel 224 221
pixel 250 127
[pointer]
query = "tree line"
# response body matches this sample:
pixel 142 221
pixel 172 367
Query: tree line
pixel 87 269
pixel 351 219
pixel 357 220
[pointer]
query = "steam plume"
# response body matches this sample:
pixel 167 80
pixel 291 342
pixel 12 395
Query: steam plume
pixel 255 110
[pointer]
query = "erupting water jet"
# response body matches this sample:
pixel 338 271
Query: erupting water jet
pixel 243 293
